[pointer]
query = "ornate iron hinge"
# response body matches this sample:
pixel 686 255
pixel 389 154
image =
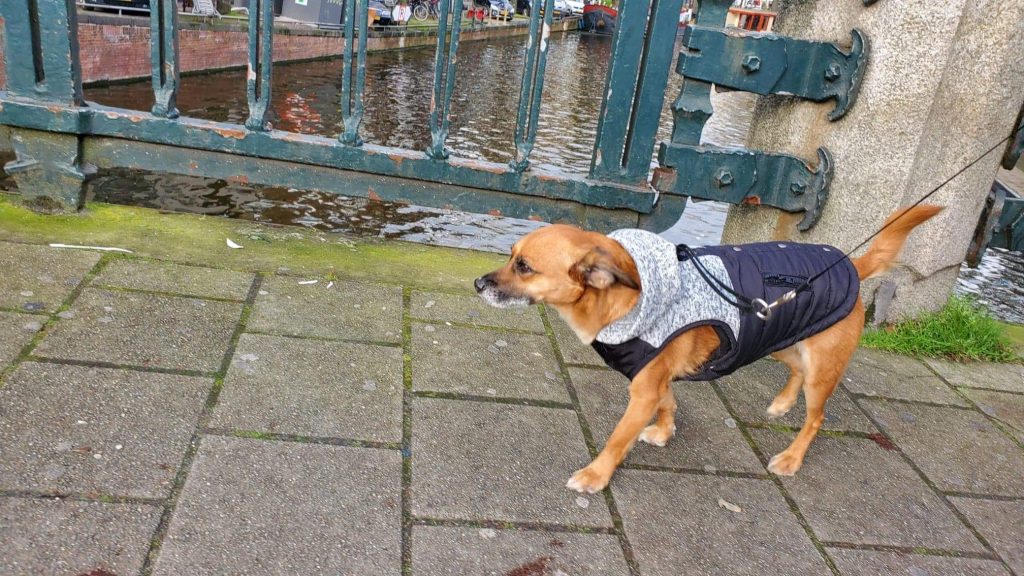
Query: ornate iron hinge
pixel 741 176
pixel 772 64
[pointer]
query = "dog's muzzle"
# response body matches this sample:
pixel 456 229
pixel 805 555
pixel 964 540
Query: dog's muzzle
pixel 488 289
pixel 482 283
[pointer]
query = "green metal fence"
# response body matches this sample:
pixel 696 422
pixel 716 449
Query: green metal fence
pixel 60 139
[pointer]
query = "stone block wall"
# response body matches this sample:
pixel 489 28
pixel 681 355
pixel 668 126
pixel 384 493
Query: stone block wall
pixel 944 84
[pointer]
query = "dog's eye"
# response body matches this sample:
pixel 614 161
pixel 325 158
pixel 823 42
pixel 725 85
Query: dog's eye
pixel 522 267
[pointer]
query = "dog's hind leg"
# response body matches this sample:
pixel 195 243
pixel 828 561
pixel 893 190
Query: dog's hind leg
pixel 791 391
pixel 823 358
pixel 664 426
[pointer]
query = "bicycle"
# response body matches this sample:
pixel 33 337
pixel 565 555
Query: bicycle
pixel 424 9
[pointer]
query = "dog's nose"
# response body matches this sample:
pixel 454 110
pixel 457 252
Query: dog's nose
pixel 481 283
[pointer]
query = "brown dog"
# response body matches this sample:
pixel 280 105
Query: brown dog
pixel 593 281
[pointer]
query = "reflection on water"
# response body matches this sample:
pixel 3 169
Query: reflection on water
pixel 305 99
pixel 997 283
pixel 398 91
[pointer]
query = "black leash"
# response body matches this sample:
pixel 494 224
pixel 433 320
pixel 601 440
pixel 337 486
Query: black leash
pixel 719 286
pixel 763 309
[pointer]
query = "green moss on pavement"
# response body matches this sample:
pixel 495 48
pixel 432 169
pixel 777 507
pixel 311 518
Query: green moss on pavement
pixel 202 240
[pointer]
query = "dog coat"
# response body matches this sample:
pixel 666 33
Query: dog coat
pixel 674 298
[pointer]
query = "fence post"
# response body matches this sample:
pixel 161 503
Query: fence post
pixel 43 65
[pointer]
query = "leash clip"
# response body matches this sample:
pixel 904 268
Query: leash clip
pixel 763 310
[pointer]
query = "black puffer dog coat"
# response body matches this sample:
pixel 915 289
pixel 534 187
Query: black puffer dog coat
pixel 674 298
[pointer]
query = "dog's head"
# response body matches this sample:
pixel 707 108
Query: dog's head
pixel 558 264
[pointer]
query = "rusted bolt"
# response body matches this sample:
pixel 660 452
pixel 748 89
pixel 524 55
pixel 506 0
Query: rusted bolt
pixel 833 72
pixel 798 188
pixel 751 63
pixel 723 177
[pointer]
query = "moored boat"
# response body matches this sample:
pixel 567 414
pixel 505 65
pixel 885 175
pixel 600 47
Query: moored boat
pixel 752 15
pixel 600 19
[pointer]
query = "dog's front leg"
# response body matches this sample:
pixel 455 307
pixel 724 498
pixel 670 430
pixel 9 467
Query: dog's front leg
pixel 645 394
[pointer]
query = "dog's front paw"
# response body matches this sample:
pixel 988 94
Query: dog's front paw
pixel 588 480
pixel 784 464
pixel 657 436
pixel 780 407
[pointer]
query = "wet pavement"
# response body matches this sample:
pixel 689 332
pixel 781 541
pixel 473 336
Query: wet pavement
pixel 169 418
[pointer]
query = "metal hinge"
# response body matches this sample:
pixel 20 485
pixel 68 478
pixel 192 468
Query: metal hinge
pixel 741 176
pixel 773 64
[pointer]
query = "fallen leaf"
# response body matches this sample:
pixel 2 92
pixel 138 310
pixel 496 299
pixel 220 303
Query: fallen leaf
pixel 729 506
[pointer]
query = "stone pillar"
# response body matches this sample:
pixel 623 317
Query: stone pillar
pixel 945 83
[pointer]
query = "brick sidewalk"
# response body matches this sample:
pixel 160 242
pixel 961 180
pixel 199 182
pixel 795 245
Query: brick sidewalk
pixel 161 418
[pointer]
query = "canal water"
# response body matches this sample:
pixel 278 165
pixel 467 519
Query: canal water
pixel 398 90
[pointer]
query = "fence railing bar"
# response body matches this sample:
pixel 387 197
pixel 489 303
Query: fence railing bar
pixel 651 84
pixel 444 77
pixel 353 71
pixel 261 62
pixel 166 73
pixel 620 88
pixel 635 90
pixel 532 86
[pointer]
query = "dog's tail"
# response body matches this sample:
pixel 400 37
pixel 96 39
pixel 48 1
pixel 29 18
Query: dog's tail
pixel 881 255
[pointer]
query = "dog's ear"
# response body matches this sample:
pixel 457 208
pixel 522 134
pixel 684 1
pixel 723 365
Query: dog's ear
pixel 600 270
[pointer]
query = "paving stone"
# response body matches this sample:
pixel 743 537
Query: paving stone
pixel 16 330
pixel 78 429
pixel 875 563
pixel 488 461
pixel 41 536
pixel 573 351
pixel 176 278
pixel 472 310
pixel 1007 408
pixel 981 374
pixel 485 363
pixel 959 450
pixel 876 373
pixel 348 310
pixel 1000 524
pixel 444 551
pixel 144 330
pixel 40 277
pixel 751 389
pixel 313 388
pixel 676 526
pixel 854 490
pixel 702 438
pixel 258 507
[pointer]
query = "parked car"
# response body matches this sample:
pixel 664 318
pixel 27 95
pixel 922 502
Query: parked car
pixel 575 6
pixel 380 13
pixel 501 9
pixel 561 7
